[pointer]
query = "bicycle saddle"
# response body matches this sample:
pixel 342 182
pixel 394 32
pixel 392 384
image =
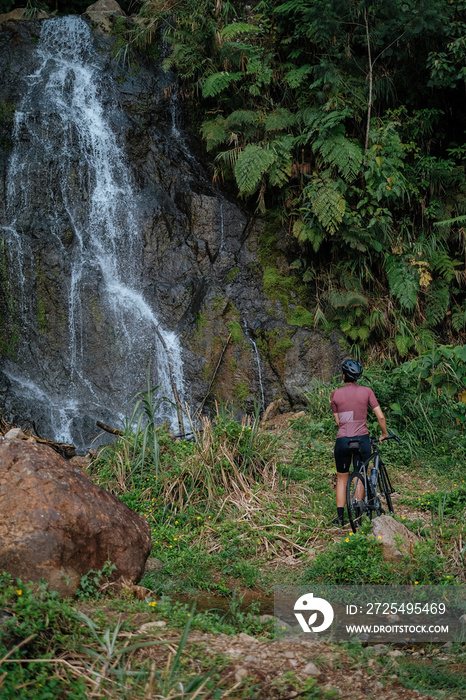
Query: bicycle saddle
pixel 354 445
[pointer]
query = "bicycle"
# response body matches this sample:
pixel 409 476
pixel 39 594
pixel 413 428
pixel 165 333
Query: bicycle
pixel 363 489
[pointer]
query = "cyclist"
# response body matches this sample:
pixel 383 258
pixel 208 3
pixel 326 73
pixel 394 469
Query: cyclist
pixel 349 407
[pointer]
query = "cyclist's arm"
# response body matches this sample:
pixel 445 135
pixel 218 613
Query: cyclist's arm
pixel 337 418
pixel 381 420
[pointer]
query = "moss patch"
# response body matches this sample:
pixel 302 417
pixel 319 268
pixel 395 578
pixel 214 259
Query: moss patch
pixel 300 317
pixel 236 331
pixel 277 287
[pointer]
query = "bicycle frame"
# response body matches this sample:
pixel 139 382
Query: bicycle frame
pixel 362 495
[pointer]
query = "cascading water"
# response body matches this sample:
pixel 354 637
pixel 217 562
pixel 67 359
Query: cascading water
pixel 259 370
pixel 64 144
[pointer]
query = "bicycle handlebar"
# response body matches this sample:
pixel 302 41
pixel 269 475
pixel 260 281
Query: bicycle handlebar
pixel 391 436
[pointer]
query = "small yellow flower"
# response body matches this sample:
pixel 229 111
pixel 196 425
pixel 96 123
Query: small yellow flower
pixel 171 546
pixel 189 614
pixel 198 517
pixel 174 539
pixel 379 537
pixel 416 582
pixel 448 576
pixel 347 539
pixel 403 517
pixel 19 591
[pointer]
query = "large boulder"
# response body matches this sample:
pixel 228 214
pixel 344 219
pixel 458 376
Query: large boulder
pixel 395 538
pixel 56 524
pixel 22 13
pixel 103 13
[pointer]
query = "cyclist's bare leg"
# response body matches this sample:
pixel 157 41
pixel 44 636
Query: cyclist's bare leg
pixel 342 480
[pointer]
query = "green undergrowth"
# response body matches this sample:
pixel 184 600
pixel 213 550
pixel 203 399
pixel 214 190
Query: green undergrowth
pixel 233 513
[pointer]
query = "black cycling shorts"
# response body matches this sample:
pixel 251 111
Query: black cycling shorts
pixel 343 455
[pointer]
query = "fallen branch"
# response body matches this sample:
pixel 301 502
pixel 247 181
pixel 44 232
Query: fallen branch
pixel 108 429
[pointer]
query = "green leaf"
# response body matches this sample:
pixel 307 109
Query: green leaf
pixel 403 279
pixel 241 117
pixel 338 151
pixel 232 31
pixel 215 132
pixel 280 119
pixel 326 202
pixel 252 164
pixel 218 82
pixel 296 76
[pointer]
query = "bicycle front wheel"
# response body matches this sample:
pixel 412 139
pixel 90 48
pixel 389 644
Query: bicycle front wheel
pixel 356 500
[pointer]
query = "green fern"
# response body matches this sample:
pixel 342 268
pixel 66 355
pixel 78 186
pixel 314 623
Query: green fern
pixel 280 119
pixel 316 119
pixel 448 223
pixel 458 319
pixel 403 343
pixel 252 164
pixel 232 31
pixel 243 117
pixel 280 170
pixel 403 279
pixel 306 232
pixel 326 202
pixel 425 340
pixel 337 151
pixel 216 83
pixel 438 301
pixel 229 158
pixel 444 265
pixel 215 132
pixel 295 77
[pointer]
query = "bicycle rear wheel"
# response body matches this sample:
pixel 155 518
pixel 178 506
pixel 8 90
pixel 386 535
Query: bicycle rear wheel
pixel 385 486
pixel 357 500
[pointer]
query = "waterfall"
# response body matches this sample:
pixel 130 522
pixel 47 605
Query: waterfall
pixel 88 218
pixel 258 361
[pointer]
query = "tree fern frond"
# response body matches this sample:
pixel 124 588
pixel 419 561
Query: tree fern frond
pixel 307 233
pixel 280 119
pixel 241 117
pixel 215 132
pixel 232 31
pixel 338 151
pixel 425 340
pixel 296 76
pixel 444 264
pixel 403 343
pixel 458 319
pixel 216 83
pixel 281 169
pixel 438 301
pixel 403 279
pixel 252 164
pixel 460 220
pixel 326 202
pixel 229 157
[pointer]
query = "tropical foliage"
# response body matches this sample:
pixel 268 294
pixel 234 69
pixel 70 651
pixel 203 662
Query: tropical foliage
pixel 346 117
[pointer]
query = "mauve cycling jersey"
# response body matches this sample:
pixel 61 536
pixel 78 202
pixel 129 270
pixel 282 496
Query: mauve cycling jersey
pixel 351 402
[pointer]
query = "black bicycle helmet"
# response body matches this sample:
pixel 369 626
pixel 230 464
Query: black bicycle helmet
pixel 352 370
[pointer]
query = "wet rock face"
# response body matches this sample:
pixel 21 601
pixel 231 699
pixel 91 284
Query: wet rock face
pixel 57 525
pixel 198 257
